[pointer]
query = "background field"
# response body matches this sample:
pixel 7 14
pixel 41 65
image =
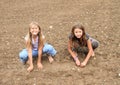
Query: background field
pixel 101 19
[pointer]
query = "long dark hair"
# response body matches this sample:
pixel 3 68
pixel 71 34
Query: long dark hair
pixel 81 41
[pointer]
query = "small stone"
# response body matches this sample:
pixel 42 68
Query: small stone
pixel 73 68
pixel 94 58
pixel 7 43
pixel 50 26
pixel 78 69
pixel 119 74
pixel 119 45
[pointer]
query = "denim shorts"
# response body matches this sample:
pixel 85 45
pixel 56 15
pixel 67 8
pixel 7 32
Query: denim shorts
pixel 48 49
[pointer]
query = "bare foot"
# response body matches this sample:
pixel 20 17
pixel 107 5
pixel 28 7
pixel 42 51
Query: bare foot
pixel 50 59
pixel 30 68
pixel 40 66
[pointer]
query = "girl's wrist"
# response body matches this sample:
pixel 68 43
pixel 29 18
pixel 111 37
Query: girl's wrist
pixel 75 58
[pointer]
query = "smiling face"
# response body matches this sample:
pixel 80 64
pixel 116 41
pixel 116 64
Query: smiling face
pixel 78 32
pixel 34 30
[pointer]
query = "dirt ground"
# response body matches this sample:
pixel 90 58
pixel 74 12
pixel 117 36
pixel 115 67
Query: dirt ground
pixel 101 18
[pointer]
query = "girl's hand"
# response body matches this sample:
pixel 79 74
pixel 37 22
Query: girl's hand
pixel 77 62
pixel 40 66
pixel 83 64
pixel 30 68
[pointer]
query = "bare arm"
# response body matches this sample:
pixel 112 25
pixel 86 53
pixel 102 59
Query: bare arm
pixel 30 68
pixel 73 54
pixel 40 48
pixel 89 52
pixel 39 54
pixel 30 56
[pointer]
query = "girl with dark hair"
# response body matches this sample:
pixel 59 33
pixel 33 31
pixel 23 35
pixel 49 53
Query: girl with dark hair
pixel 79 41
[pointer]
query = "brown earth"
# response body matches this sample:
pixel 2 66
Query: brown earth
pixel 101 19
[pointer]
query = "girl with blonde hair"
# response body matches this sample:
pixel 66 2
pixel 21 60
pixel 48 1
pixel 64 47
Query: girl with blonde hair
pixel 35 47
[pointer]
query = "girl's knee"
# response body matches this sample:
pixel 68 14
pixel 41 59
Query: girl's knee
pixel 20 55
pixel 49 49
pixel 95 44
pixel 23 54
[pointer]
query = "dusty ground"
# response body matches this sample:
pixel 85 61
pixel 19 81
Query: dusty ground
pixel 101 19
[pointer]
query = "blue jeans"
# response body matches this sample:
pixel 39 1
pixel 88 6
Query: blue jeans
pixel 48 49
